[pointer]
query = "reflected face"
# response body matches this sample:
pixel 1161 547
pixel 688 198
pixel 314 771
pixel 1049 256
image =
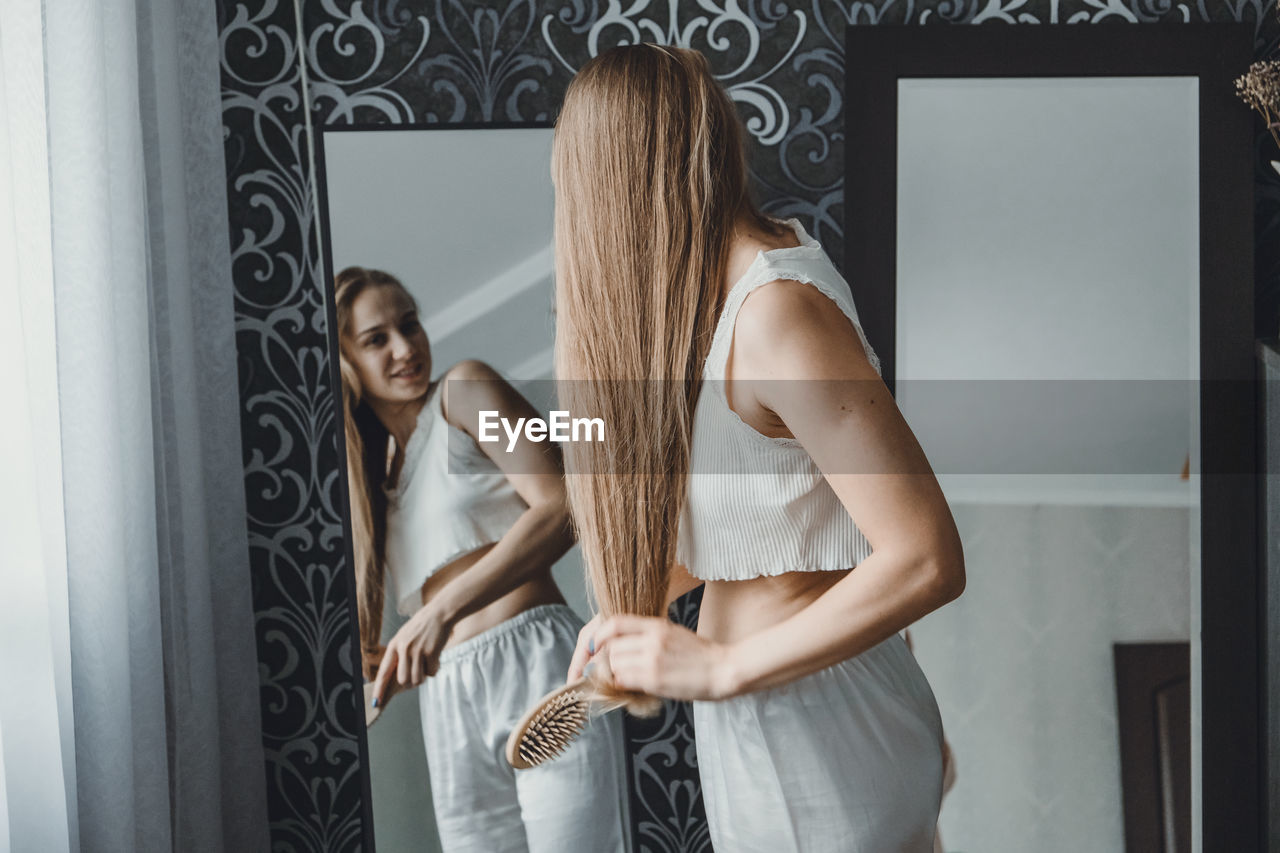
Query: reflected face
pixel 388 346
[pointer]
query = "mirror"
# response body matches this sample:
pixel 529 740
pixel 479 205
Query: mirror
pixel 460 221
pixel 1025 222
pixel 1053 289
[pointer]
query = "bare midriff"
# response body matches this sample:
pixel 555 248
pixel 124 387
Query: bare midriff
pixel 539 589
pixel 732 610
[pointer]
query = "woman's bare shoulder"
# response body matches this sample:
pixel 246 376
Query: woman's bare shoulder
pixel 792 325
pixel 469 386
pixel 471 368
pixel 749 243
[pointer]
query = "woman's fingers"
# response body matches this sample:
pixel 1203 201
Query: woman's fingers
pixel 624 625
pixel 579 662
pixel 402 665
pixel 385 670
pixel 631 645
pixel 415 666
pixel 582 653
pixel 668 660
pixel 635 664
pixel 409 659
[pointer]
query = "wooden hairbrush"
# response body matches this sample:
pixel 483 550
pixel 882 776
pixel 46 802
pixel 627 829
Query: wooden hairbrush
pixel 550 725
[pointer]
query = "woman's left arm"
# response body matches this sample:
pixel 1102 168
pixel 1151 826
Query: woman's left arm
pixel 542 534
pixel 804 364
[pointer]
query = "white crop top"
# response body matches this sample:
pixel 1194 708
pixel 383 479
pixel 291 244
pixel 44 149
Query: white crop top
pixel 775 513
pixel 450 500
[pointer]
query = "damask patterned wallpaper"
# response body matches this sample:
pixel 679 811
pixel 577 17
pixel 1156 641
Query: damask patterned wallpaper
pixel 291 66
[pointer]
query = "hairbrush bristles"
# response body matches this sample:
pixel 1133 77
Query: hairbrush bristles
pixel 550 726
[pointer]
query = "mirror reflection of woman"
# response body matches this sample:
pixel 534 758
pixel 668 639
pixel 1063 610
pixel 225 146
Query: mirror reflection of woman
pixel 775 469
pixel 468 537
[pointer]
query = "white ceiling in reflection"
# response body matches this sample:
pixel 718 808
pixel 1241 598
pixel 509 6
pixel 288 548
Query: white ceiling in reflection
pixel 1048 229
pixel 1053 222
pixel 464 219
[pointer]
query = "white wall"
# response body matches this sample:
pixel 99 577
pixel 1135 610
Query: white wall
pixel 1021 665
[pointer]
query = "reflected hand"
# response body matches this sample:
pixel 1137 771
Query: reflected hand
pixel 388 693
pixel 413 653
pixel 656 656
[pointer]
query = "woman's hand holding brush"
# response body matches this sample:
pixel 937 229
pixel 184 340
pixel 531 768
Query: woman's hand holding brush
pixel 656 656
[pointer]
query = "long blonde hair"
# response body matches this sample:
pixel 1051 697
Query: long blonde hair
pixel 650 181
pixel 367 444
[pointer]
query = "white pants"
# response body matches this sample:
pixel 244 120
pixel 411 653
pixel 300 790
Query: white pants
pixel 846 760
pixel 484 685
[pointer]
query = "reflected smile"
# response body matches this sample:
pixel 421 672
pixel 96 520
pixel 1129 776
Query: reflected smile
pixel 412 372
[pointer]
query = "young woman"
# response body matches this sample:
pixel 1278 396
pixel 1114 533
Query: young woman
pixel 762 455
pixel 468 536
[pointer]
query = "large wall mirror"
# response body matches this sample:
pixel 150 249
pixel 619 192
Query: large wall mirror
pixel 441 238
pixel 1050 242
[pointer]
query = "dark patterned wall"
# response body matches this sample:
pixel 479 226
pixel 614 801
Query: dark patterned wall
pixel 399 61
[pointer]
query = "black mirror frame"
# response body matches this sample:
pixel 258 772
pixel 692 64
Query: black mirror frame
pixel 1233 759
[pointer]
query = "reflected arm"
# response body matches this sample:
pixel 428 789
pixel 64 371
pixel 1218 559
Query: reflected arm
pixel 542 534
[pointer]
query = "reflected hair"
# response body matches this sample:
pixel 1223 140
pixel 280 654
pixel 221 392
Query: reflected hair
pixel 367 444
pixel 650 175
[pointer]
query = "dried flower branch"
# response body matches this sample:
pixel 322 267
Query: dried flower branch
pixel 1260 89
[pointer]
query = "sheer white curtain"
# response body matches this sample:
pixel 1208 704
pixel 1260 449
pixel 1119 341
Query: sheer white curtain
pixel 128 697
